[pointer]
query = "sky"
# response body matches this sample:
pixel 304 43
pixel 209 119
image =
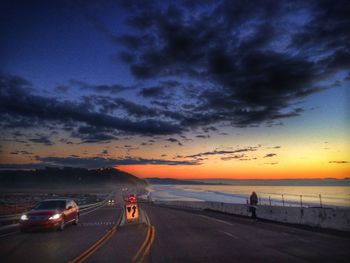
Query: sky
pixel 182 89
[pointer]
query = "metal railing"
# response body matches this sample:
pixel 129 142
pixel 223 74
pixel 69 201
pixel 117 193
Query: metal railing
pixel 294 200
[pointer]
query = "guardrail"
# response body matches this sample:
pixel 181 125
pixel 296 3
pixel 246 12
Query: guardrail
pixel 331 218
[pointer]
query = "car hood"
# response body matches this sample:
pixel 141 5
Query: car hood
pixel 44 212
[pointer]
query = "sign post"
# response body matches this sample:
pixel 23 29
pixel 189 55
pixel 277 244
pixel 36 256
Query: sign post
pixel 131 211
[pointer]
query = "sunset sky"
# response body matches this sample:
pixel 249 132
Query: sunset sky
pixel 183 89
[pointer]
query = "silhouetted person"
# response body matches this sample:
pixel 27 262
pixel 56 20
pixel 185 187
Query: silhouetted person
pixel 253 203
pixel 253 199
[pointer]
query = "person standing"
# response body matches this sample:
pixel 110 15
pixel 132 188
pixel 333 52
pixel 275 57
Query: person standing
pixel 253 203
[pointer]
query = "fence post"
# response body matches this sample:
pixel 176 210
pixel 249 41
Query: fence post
pixel 282 200
pixel 320 200
pixel 270 200
pixel 301 201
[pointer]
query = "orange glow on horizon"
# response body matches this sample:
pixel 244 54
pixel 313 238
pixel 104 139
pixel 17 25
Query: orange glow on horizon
pixel 204 172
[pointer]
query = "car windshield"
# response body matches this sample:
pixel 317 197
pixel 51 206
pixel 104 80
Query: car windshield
pixel 55 204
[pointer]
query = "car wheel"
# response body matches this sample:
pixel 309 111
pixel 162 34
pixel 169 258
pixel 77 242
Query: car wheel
pixel 62 225
pixel 76 221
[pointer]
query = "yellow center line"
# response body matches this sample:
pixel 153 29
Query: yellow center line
pixel 148 248
pixel 143 245
pixel 147 243
pixel 92 249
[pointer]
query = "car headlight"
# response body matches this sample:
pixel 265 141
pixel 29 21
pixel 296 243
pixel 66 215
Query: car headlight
pixel 24 217
pixel 55 216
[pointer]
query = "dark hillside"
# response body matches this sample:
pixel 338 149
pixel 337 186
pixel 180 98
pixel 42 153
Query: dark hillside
pixel 66 176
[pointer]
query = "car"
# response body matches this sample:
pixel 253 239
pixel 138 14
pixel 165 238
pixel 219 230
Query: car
pixel 132 198
pixel 111 202
pixel 50 214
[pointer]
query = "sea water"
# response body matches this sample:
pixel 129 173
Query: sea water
pixel 311 196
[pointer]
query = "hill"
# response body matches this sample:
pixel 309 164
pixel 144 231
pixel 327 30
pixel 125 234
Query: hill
pixel 66 177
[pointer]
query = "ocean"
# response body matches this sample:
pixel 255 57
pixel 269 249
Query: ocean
pixel 308 196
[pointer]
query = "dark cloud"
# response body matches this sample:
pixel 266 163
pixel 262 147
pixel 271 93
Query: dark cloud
pixel 18 105
pixel 271 163
pixel 147 143
pixel 173 140
pixel 269 155
pixel 328 32
pixel 65 140
pixel 152 92
pixel 232 157
pixel 21 152
pixel 122 106
pixel 41 139
pixel 92 134
pixel 250 58
pixel 185 138
pixel 94 138
pixel 209 129
pixel 339 162
pixel 135 109
pixel 92 162
pixel 95 162
pixel 246 159
pixel 274 147
pixel 205 63
pixel 161 91
pixel 222 152
pixel 113 89
pixel 130 148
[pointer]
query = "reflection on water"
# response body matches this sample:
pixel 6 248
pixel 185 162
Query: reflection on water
pixel 292 195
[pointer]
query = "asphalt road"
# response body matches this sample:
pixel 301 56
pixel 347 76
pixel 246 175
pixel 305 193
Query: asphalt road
pixel 190 236
pixel 177 236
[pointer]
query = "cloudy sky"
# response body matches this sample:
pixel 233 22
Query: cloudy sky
pixel 187 89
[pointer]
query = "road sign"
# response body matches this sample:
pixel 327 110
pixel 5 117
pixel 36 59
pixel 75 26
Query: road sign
pixel 131 211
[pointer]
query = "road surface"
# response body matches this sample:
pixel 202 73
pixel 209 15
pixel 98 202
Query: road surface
pixel 192 236
pixel 177 236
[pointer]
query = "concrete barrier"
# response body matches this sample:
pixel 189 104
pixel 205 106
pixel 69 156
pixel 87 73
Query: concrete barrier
pixel 329 218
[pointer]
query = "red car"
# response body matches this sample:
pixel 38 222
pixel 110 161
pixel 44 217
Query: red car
pixel 50 214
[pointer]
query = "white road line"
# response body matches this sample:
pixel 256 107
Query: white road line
pixel 215 219
pixel 107 223
pixel 88 212
pixel 228 234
